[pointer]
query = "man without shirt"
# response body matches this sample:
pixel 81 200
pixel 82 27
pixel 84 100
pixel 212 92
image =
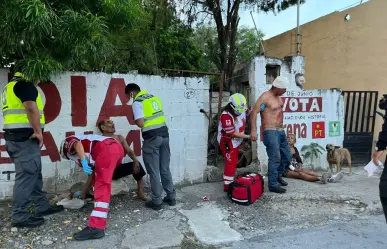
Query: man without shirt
pixel 134 168
pixel 269 105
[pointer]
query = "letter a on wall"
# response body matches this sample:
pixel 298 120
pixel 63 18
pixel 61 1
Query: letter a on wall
pixel 318 129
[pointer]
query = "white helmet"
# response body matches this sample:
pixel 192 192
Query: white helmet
pixel 238 103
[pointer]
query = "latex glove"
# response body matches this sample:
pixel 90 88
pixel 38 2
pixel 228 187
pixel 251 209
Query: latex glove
pixel 85 166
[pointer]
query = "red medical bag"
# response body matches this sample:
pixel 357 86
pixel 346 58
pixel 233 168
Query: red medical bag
pixel 246 188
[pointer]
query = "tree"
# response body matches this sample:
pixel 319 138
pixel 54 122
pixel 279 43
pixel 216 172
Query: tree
pixel 225 15
pixel 312 152
pixel 41 37
pixel 248 44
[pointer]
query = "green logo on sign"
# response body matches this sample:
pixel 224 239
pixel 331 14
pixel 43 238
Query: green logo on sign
pixel 334 128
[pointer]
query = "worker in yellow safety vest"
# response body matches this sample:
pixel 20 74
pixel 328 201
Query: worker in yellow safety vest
pixel 149 116
pixel 23 126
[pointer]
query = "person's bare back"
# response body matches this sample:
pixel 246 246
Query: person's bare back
pixel 272 116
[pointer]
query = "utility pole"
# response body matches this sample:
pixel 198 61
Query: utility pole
pixel 256 29
pixel 298 28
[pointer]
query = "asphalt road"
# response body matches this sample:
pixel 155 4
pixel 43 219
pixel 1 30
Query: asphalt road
pixel 369 233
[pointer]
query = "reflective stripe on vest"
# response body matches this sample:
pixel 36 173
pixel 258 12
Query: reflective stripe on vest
pixel 14 112
pixel 153 111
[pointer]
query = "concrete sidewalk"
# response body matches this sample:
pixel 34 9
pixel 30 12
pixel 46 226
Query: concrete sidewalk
pixel 217 223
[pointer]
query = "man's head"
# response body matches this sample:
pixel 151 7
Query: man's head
pixel 280 84
pixel 106 126
pixel 131 90
pixel 300 80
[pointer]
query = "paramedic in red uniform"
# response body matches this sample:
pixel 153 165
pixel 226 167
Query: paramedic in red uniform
pixel 231 134
pixel 103 155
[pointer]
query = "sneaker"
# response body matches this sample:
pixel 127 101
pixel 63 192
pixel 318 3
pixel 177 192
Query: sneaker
pixel 282 182
pixel 89 233
pixel 325 177
pixel 277 190
pixel 51 210
pixel 336 178
pixel 150 204
pixel 31 222
pixel 171 202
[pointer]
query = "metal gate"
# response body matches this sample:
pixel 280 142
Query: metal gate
pixel 359 121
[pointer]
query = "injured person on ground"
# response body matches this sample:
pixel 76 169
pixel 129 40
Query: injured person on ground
pixel 295 169
pixel 134 168
pixel 98 156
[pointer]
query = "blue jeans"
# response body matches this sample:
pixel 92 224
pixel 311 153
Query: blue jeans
pixel 279 154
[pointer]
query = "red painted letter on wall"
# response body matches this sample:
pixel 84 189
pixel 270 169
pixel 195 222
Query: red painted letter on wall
pixel 134 137
pixel 53 101
pixel 51 149
pixel 110 109
pixel 78 101
pixel 4 160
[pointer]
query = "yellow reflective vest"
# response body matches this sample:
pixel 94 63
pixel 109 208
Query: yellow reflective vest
pixel 153 111
pixel 13 109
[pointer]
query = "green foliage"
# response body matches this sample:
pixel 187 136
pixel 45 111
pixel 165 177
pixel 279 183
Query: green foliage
pixel 225 16
pixel 248 44
pixel 43 37
pixel 176 49
pixel 247 41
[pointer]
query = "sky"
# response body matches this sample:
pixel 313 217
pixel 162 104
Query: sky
pixel 272 25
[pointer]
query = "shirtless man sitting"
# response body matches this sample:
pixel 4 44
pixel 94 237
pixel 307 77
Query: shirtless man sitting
pixel 269 105
pixel 134 168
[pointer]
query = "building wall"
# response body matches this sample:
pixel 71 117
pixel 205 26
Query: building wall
pixel 350 55
pixel 309 114
pixel 75 101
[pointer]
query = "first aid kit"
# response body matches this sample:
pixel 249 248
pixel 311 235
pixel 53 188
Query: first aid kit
pixel 246 188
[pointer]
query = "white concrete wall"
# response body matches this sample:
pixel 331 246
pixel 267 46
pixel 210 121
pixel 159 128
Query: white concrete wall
pixel 320 108
pixel 215 101
pixel 182 99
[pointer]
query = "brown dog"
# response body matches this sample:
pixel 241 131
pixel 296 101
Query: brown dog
pixel 336 156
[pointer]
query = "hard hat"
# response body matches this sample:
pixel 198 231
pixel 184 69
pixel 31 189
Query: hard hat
pixel 238 103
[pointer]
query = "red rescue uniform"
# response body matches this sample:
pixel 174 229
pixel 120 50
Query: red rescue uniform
pixel 230 123
pixel 105 154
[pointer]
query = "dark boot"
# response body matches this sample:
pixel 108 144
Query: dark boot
pixel 89 233
pixel 171 202
pixel 51 210
pixel 150 204
pixel 31 222
pixel 282 182
pixel 278 190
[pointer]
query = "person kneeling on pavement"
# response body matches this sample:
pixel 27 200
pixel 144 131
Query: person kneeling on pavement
pixel 103 155
pixel 296 171
pixel 134 168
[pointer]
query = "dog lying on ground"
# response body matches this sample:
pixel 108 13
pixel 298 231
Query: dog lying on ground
pixel 336 156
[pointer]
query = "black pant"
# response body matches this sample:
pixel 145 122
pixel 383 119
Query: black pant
pixel 28 186
pixel 125 169
pixel 383 189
